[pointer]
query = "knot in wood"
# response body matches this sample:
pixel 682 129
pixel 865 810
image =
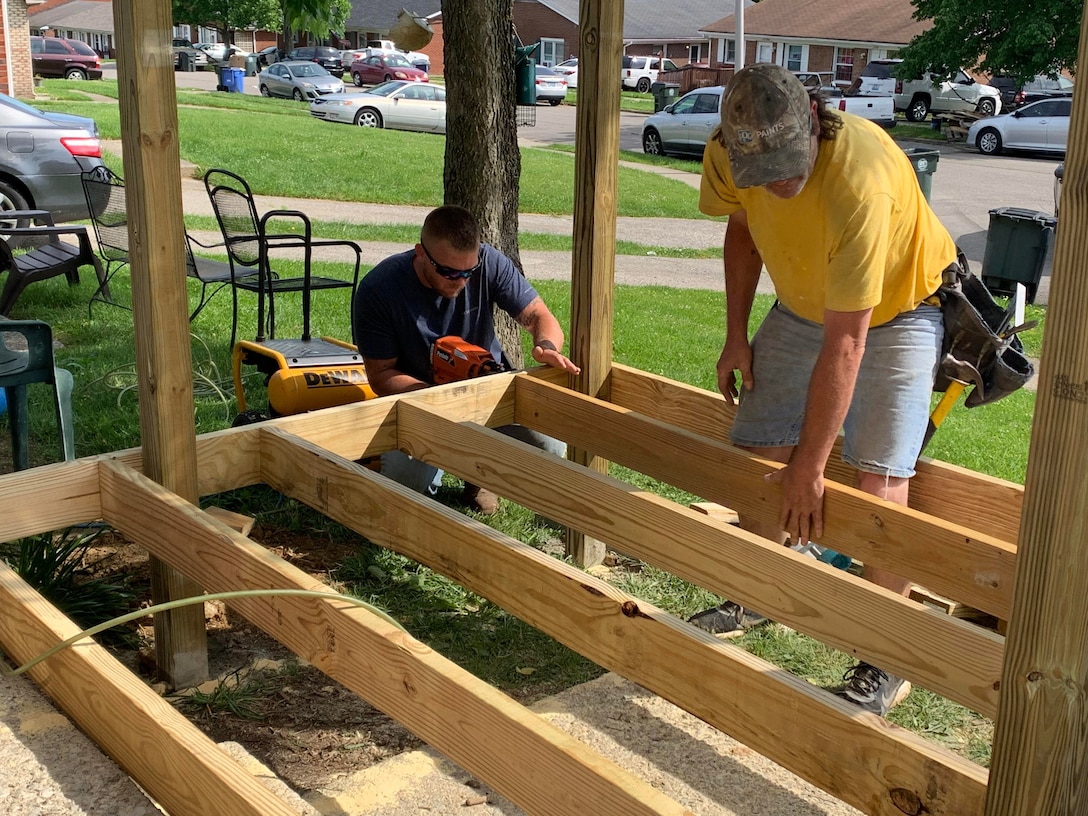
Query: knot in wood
pixel 630 609
pixel 877 520
pixel 907 801
pixel 1035 676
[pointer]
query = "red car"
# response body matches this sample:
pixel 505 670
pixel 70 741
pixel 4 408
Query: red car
pixel 384 67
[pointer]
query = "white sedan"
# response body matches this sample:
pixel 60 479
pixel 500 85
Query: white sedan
pixel 569 70
pixel 1042 125
pixel 399 105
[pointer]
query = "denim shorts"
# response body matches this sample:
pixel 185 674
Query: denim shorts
pixel 888 415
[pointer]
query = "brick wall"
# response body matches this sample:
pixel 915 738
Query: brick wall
pixel 534 21
pixel 16 76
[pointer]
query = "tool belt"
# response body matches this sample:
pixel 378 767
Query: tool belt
pixel 980 347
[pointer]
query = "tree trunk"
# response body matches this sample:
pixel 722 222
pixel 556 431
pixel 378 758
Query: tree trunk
pixel 483 165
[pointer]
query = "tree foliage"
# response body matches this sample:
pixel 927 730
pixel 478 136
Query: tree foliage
pixel 314 17
pixel 226 16
pixel 1020 38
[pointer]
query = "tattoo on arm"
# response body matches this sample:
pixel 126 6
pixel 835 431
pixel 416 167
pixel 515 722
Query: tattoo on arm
pixel 547 344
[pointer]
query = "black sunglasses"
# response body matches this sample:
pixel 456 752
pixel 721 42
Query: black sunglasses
pixel 448 272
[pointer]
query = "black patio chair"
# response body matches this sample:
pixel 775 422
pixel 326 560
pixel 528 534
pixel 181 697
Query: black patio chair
pixel 50 256
pixel 249 245
pixel 105 192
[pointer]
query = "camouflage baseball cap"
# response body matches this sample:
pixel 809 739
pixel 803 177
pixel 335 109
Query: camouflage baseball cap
pixel 766 125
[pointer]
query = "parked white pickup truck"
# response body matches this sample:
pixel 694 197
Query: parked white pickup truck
pixel 879 108
pixel 918 97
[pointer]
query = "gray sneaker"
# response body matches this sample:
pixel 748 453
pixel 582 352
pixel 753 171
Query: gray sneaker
pixel 727 618
pixel 872 689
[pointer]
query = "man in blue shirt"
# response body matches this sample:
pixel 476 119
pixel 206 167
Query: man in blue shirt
pixel 446 285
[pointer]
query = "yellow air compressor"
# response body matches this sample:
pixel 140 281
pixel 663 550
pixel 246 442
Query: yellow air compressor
pixel 301 375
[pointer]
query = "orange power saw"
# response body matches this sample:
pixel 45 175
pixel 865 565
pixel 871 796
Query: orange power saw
pixel 454 358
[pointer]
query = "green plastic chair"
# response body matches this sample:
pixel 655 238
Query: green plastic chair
pixel 18 369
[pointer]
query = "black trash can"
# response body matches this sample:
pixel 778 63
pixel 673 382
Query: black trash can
pixel 251 65
pixel 665 93
pixel 185 61
pixel 1017 242
pixel 924 161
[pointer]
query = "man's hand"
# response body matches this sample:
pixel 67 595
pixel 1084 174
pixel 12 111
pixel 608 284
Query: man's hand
pixel 736 356
pixel 802 514
pixel 547 354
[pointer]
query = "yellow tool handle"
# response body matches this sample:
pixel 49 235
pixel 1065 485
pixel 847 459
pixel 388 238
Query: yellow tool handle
pixel 951 394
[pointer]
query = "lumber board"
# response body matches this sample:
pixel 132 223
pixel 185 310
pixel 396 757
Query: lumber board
pixel 477 726
pixel 949 559
pixel 948 656
pixel 181 768
pixel 1042 734
pixel 802 728
pixel 47 498
pixel 939 489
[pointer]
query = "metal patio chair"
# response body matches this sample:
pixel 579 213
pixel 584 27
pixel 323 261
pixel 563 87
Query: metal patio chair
pixel 249 245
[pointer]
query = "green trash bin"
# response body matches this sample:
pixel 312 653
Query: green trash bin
pixel 665 93
pixel 251 65
pixel 1017 242
pixel 924 161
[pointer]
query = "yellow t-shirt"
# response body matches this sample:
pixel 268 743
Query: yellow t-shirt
pixel 859 235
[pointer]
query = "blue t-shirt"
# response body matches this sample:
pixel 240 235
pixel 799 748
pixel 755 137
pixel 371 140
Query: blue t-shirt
pixel 393 315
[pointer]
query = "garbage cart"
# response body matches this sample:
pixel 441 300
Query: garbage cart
pixel 1017 242
pixel 665 93
pixel 924 161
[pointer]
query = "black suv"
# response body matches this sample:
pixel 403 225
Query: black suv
pixel 324 55
pixel 1014 96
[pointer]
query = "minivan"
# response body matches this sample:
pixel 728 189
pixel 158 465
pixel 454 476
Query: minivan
pixel 69 59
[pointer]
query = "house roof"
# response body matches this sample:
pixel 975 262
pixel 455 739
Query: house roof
pixel 865 21
pixel 650 20
pixel 379 15
pixel 78 15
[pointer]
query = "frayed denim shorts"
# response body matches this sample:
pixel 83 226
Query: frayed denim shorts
pixel 888 415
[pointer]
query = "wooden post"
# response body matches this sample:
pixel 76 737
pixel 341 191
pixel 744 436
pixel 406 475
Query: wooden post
pixel 1042 726
pixel 600 24
pixel 149 135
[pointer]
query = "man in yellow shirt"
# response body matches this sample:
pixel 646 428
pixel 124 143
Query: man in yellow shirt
pixel 831 205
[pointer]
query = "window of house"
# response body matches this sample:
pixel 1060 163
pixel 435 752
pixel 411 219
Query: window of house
pixel 727 51
pixel 551 51
pixel 795 57
pixel 844 65
pixel 764 52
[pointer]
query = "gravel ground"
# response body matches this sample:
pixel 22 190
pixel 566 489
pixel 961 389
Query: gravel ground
pixel 49 768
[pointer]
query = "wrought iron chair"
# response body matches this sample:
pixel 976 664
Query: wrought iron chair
pixel 249 245
pixel 46 260
pixel 18 369
pixel 105 192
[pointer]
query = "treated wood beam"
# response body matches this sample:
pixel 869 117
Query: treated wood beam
pixel 939 489
pixel 1042 731
pixel 179 767
pixel 955 562
pixel 802 728
pixel 593 263
pixel 477 726
pixel 160 302
pixel 951 657
pixel 48 498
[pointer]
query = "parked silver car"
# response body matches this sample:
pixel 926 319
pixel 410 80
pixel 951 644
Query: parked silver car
pixel 1042 125
pixel 41 158
pixel 684 126
pixel 299 80
pixel 398 105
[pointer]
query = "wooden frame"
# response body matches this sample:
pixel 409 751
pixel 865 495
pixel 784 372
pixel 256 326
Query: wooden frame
pixel 1034 535
pixel 311 458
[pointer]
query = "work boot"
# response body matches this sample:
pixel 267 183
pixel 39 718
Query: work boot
pixel 479 500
